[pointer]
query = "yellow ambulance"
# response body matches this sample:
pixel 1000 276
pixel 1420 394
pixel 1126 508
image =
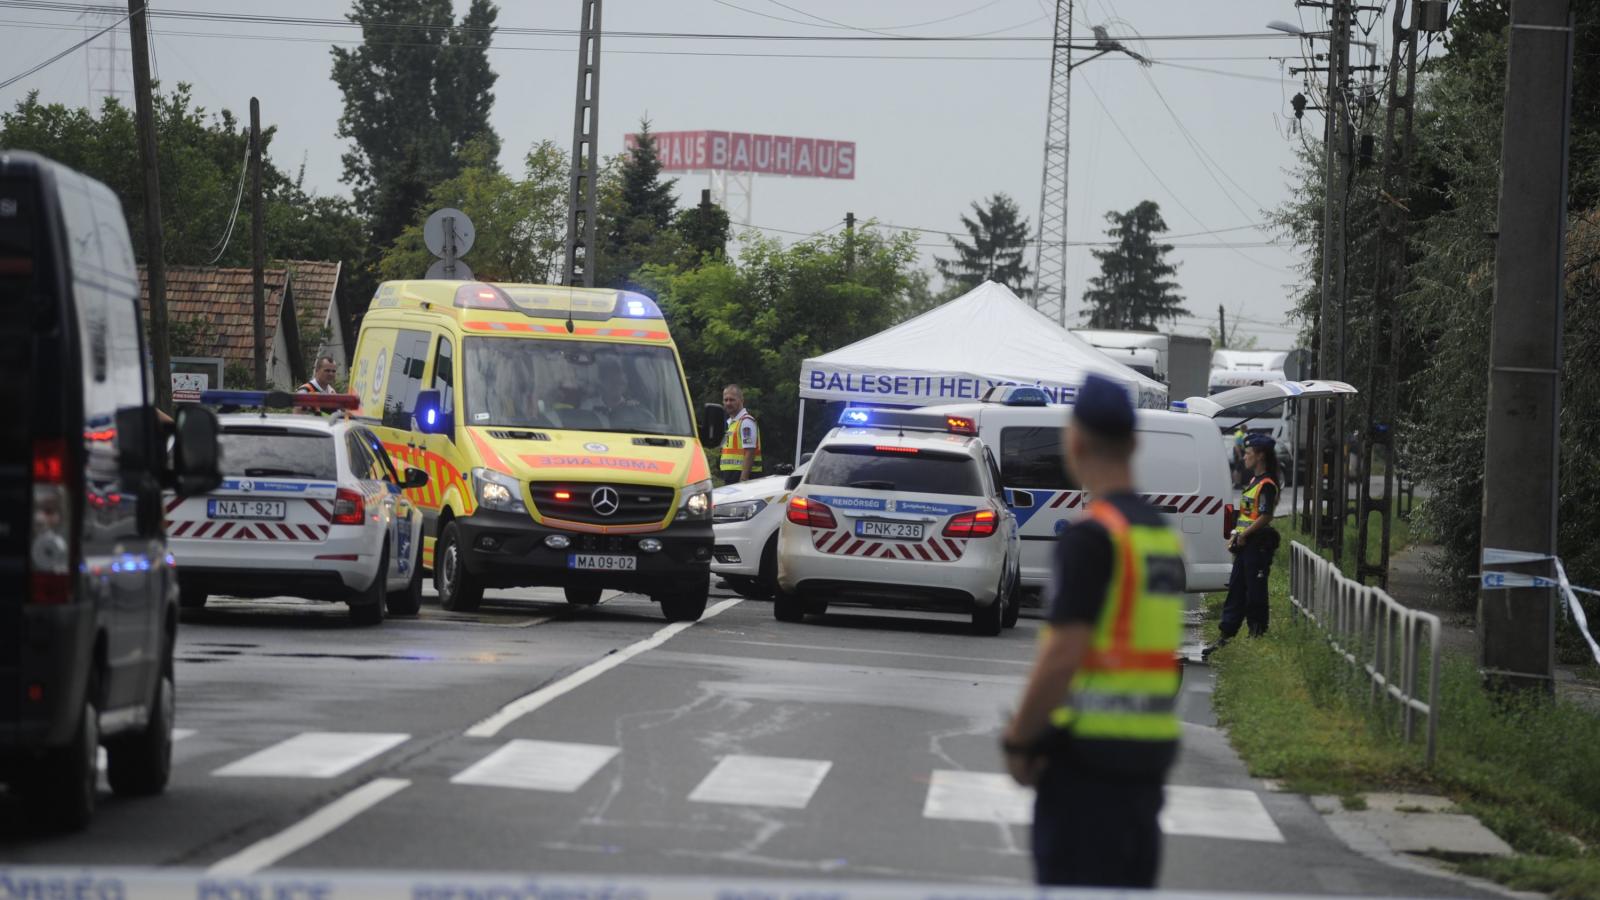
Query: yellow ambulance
pixel 557 431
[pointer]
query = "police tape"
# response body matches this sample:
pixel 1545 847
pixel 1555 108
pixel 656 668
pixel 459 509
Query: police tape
pixel 1565 589
pixel 60 883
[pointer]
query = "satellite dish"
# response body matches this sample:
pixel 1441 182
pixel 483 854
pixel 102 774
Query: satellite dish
pixel 436 272
pixel 1296 363
pixel 434 232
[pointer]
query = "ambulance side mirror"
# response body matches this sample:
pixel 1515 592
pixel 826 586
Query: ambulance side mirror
pixel 1019 499
pixel 713 425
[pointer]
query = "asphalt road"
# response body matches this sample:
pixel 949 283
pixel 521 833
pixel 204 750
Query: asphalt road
pixel 860 745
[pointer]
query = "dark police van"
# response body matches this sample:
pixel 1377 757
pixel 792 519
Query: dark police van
pixel 88 595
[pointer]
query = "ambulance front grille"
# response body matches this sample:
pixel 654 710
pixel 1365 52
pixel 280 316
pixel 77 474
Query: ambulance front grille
pixel 635 504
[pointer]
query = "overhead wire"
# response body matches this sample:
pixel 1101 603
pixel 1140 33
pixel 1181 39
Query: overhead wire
pixel 69 51
pixel 222 246
pixel 1207 161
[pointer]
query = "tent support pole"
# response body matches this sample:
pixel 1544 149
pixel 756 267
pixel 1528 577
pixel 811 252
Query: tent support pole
pixel 800 433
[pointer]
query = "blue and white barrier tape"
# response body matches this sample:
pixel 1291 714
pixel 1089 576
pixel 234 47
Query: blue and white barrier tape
pixel 1566 589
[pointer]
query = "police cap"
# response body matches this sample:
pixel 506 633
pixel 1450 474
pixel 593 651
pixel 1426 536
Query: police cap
pixel 1258 441
pixel 1102 406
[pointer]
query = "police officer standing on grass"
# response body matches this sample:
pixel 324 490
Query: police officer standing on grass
pixel 322 378
pixel 1253 544
pixel 1097 728
pixel 741 448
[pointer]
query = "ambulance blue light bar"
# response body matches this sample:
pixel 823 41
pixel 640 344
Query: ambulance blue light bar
pixel 636 306
pixel 280 400
pixel 906 420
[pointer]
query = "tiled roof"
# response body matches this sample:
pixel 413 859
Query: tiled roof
pixel 222 298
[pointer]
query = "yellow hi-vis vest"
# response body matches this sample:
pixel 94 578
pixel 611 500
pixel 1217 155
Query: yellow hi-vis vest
pixel 1250 504
pixel 733 446
pixel 1127 687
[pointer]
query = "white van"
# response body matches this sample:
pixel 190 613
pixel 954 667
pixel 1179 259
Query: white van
pixel 1179 465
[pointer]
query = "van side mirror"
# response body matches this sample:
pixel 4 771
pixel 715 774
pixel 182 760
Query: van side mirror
pixel 713 425
pixel 1019 499
pixel 135 441
pixel 197 462
pixel 429 416
pixel 414 478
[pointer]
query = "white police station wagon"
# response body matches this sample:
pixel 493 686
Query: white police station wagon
pixel 900 509
pixel 309 507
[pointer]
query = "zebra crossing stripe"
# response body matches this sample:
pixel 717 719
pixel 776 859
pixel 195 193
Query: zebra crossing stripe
pixel 762 781
pixel 538 766
pixel 313 754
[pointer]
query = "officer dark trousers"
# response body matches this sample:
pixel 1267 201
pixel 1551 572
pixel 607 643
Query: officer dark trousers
pixel 1093 829
pixel 1247 586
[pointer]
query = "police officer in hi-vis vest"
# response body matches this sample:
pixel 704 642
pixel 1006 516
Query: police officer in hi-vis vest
pixel 1253 543
pixel 1097 728
pixel 741 449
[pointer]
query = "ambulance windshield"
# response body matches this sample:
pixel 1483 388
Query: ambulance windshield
pixel 575 385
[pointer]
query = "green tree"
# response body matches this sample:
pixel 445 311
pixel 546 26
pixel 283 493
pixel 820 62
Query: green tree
pixel 999 243
pixel 634 226
pixel 704 229
pixel 1134 290
pixel 520 224
pixel 753 319
pixel 417 91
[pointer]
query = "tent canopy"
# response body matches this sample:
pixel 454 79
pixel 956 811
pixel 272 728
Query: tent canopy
pixel 958 351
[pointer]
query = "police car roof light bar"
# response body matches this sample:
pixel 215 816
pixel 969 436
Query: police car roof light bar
pixel 280 400
pixel 906 420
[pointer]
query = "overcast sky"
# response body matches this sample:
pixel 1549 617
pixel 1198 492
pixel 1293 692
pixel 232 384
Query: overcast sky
pixel 934 131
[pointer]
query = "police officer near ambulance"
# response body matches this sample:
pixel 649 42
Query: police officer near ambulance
pixel 322 378
pixel 741 448
pixel 1254 543
pixel 1097 728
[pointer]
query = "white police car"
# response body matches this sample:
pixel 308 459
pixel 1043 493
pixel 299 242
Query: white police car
pixel 745 518
pixel 901 509
pixel 308 507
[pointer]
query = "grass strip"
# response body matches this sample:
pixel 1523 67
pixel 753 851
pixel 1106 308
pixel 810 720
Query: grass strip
pixel 1528 768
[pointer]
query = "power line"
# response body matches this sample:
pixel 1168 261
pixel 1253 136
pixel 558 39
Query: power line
pixel 233 217
pixel 1206 160
pixel 69 51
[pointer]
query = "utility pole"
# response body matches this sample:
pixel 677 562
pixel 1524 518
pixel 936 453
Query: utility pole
pixel 579 268
pixel 1050 253
pixel 849 244
pixel 1222 328
pixel 149 159
pixel 1521 472
pixel 1383 370
pixel 258 297
pixel 1329 485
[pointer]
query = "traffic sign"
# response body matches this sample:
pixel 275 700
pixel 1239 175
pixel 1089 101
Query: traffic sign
pixel 437 271
pixel 435 232
pixel 1296 363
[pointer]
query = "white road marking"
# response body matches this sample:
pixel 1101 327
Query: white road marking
pixel 977 797
pixel 1227 813
pixel 313 754
pixel 762 781
pixel 314 827
pixel 527 703
pixel 855 650
pixel 538 766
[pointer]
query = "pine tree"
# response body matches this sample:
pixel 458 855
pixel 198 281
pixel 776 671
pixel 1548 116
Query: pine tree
pixel 414 98
pixel 639 229
pixel 1134 290
pixel 704 228
pixel 999 242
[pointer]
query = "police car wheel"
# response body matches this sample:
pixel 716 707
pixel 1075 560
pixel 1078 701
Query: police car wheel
pixel 582 596
pixel 1013 607
pixel 767 581
pixel 369 607
pixel 787 607
pixel 61 792
pixel 458 590
pixel 139 764
pixel 409 601
pixel 989 620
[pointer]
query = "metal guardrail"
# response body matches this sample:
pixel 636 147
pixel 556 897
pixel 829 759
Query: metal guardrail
pixel 1374 633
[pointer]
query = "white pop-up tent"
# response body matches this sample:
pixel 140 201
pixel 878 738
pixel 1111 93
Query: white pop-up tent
pixel 958 351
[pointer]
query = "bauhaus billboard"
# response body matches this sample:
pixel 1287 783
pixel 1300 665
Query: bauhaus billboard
pixel 766 154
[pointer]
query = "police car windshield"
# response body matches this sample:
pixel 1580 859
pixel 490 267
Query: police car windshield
pixel 912 472
pixel 578 385
pixel 261 452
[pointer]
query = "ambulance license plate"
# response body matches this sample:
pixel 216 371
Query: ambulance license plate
pixel 602 562
pixel 269 510
pixel 894 531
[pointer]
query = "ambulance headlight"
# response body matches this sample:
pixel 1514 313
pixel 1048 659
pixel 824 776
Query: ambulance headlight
pixel 497 491
pixel 697 503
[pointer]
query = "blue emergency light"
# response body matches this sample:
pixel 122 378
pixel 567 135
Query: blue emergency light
pixel 907 420
pixel 279 400
pixel 1020 395
pixel 636 306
